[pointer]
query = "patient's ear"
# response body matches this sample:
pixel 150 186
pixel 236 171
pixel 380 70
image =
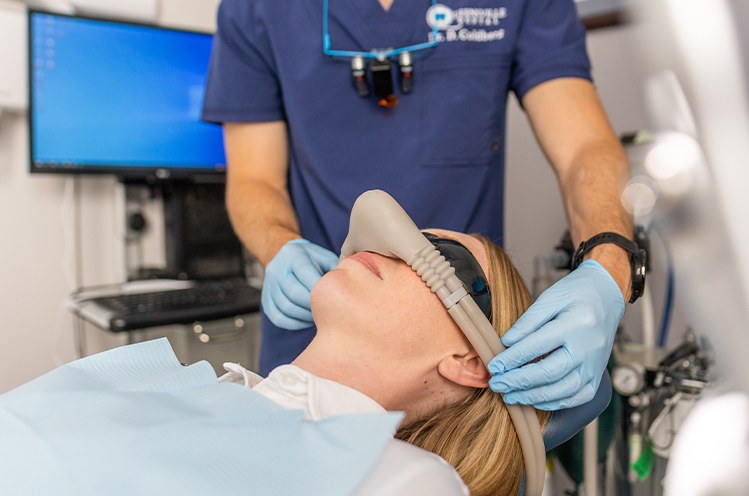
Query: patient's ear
pixel 466 370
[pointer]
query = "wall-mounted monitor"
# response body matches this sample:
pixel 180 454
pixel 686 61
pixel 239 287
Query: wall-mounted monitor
pixel 119 98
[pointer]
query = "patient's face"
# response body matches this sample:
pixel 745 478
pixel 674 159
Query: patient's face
pixel 383 304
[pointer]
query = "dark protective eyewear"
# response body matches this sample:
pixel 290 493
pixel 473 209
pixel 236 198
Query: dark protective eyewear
pixel 468 270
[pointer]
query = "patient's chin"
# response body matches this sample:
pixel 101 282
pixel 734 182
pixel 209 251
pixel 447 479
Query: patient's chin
pixel 337 300
pixel 327 295
pixel 322 288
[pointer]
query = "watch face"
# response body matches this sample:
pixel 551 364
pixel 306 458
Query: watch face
pixel 639 271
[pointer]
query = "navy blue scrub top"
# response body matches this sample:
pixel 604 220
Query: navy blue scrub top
pixel 439 152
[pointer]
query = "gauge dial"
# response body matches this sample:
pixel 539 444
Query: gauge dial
pixel 628 378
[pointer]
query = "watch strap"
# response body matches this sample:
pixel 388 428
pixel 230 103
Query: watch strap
pixel 599 239
pixel 637 258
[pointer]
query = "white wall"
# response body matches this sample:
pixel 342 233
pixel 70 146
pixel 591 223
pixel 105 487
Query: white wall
pixel 36 332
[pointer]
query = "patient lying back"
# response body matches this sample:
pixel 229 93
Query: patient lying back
pixel 385 341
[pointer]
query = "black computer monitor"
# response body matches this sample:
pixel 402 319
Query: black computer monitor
pixel 119 98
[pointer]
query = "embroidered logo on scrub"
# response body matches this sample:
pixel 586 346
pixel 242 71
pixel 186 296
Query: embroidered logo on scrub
pixel 478 25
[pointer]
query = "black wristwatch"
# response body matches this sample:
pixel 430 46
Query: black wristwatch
pixel 637 258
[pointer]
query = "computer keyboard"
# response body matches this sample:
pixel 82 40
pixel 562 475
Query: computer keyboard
pixel 202 302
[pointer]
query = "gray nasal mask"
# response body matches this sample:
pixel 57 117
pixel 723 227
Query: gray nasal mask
pixel 379 224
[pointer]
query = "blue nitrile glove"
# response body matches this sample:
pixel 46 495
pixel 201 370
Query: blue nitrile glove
pixel 577 317
pixel 289 277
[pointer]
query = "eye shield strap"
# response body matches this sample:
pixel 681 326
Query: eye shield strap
pixel 379 224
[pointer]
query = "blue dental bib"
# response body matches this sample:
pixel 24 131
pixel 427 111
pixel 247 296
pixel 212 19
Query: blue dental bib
pixel 133 421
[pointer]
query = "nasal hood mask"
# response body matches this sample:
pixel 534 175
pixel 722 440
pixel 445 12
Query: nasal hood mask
pixel 378 224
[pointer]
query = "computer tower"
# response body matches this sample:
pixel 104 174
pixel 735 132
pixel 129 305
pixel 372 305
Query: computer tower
pixel 200 241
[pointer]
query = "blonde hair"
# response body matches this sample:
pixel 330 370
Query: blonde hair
pixel 476 435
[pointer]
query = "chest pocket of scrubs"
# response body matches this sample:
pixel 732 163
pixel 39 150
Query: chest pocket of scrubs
pixel 463 109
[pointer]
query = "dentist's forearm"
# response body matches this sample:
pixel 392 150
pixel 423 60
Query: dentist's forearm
pixel 590 164
pixel 257 197
pixel 592 192
pixel 262 216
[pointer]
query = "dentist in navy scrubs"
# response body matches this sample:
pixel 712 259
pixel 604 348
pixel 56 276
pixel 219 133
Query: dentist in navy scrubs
pixel 322 100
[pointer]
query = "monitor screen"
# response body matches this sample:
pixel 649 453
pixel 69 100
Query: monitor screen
pixel 119 98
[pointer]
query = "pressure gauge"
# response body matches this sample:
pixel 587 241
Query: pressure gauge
pixel 628 378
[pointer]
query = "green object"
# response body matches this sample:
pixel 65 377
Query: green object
pixel 643 466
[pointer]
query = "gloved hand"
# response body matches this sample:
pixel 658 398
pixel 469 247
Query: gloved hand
pixel 289 277
pixel 575 320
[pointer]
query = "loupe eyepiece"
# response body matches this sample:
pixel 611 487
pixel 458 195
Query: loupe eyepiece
pixel 359 76
pixel 406 72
